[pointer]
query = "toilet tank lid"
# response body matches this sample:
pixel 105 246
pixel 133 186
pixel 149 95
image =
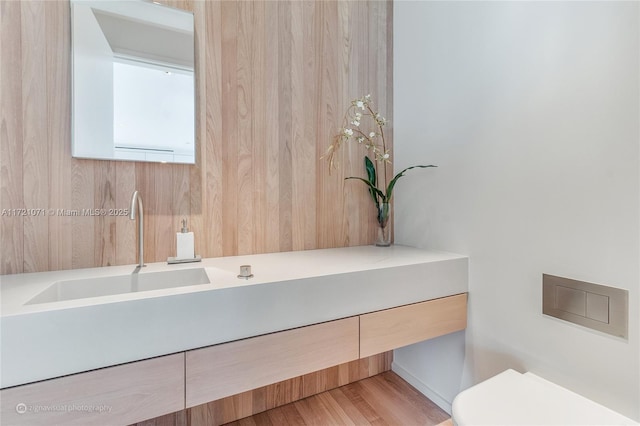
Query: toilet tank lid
pixel 512 398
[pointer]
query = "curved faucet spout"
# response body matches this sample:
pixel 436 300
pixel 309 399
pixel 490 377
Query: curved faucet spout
pixel 136 202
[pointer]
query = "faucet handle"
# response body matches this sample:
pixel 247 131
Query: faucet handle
pixel 245 272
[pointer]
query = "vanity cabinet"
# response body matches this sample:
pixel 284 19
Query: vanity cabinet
pixel 396 327
pixel 223 370
pixel 141 390
pixel 227 369
pixel 123 394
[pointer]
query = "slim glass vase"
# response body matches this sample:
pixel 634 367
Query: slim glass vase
pixel 383 238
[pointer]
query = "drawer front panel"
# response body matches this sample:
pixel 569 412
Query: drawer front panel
pixel 393 328
pixel 218 371
pixel 123 394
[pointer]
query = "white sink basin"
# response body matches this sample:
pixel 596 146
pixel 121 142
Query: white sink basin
pixel 119 284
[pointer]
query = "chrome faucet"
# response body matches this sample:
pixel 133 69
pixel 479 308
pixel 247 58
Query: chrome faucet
pixel 132 215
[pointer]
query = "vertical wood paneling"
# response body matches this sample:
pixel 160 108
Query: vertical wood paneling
pixel 245 83
pixel 35 148
pixel 59 131
pixel 162 211
pixel 126 234
pixel 272 137
pixel 258 124
pixel 356 82
pixel 285 175
pixel 11 137
pixel 83 246
pixel 273 81
pixel 300 170
pixel 328 186
pixel 180 200
pixel 209 63
pixel 105 225
pixel 344 70
pixel 229 13
pixel 309 104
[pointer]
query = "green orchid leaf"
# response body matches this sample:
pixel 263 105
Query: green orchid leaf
pixel 371 170
pixel 392 184
pixel 372 176
pixel 372 190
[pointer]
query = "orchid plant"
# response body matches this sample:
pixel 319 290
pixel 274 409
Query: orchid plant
pixel 372 138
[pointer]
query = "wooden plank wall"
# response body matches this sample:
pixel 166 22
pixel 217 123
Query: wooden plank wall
pixel 273 81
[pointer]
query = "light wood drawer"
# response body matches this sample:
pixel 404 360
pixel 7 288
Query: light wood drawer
pixel 393 328
pixel 230 368
pixel 117 395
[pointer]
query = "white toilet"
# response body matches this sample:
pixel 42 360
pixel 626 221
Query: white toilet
pixel 512 398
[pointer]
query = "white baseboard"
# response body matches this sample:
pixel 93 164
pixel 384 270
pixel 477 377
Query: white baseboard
pixel 424 389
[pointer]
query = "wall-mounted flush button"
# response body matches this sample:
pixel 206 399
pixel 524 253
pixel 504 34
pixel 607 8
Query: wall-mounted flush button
pixel 598 307
pixel 571 300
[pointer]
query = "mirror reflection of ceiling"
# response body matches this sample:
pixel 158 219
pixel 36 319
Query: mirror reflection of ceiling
pixel 133 73
pixel 146 40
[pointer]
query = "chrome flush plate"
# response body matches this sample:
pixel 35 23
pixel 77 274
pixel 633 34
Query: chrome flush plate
pixel 595 306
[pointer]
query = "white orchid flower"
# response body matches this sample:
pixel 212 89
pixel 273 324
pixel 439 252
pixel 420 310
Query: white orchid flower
pixel 348 132
pixel 360 105
pixel 355 123
pixel 372 134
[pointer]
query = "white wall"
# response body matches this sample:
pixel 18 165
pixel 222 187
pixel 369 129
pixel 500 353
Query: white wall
pixel 531 110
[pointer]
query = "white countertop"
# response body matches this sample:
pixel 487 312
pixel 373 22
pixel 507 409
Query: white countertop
pixel 291 289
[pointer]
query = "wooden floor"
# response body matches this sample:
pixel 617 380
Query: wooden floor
pixel 384 399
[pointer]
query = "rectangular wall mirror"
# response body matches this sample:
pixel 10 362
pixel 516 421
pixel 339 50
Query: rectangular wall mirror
pixel 133 82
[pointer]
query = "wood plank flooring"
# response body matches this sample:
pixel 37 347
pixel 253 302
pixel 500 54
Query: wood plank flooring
pixel 385 399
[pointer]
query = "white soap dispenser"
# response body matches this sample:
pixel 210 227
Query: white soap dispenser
pixel 185 243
